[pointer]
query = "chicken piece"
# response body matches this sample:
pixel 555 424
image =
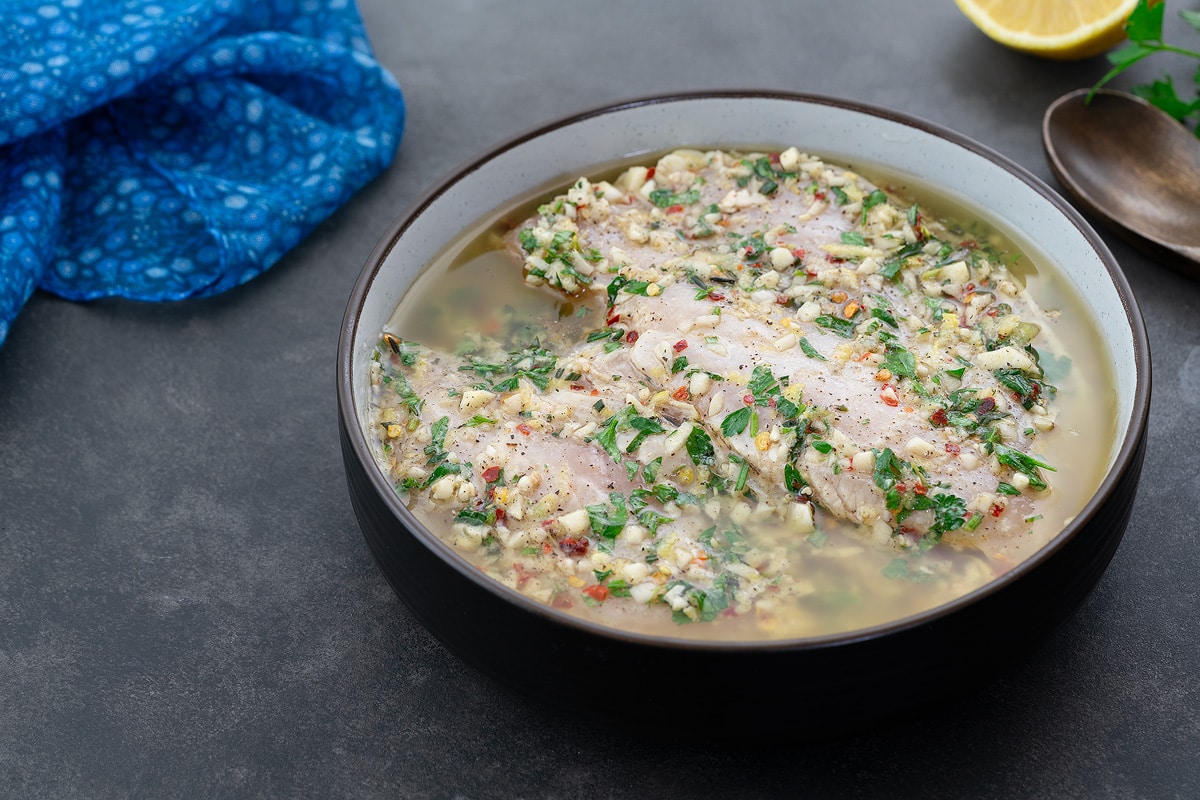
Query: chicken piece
pixel 782 348
pixel 859 415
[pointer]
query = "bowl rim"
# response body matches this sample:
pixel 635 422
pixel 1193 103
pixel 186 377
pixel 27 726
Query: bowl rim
pixel 1122 460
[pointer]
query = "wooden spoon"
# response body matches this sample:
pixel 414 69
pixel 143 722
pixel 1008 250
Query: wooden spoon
pixel 1132 166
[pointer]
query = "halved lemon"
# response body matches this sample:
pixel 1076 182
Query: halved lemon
pixel 1066 30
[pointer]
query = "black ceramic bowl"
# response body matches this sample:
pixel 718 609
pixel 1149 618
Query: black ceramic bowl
pixel 812 686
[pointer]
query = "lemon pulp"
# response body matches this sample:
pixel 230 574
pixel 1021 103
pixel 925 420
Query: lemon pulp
pixel 1061 29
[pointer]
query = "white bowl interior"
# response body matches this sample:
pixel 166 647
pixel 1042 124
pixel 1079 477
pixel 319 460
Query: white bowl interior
pixel 1013 200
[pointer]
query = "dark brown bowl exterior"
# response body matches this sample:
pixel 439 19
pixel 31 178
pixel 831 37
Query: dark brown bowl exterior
pixel 806 688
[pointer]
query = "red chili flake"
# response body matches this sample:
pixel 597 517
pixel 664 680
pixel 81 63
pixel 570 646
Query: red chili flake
pixel 991 312
pixel 596 592
pixel 970 244
pixel 595 392
pixel 997 509
pixel 613 320
pixel 986 404
pixel 920 489
pixel 523 575
pixel 574 547
pixel 491 474
pixel 716 298
pixel 681 393
pixel 675 209
pixel 888 395
pixel 748 399
pixel 578 387
pixel 782 300
pixel 650 173
pixel 819 195
pixel 524 428
pixel 680 346
pixel 901 487
pixel 562 601
pixel 500 514
pixel 939 419
pixel 771 402
pixel 799 252
pixel 631 337
pixel 773 158
pixel 953 449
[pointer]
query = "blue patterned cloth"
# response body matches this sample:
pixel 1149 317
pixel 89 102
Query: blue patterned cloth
pixel 164 149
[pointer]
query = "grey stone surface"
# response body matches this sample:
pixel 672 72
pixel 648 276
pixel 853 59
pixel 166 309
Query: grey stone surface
pixel 187 608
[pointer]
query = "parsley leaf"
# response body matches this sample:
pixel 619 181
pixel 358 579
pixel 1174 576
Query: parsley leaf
pixel 736 422
pixel 875 198
pixel 840 325
pixel 665 198
pixel 901 362
pixel 793 481
pixel 699 446
pixel 644 427
pixel 762 384
pixel 810 351
pixel 608 519
pixel 1020 462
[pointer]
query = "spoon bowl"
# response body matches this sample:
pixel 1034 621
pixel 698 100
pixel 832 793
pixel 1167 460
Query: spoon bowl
pixel 1132 166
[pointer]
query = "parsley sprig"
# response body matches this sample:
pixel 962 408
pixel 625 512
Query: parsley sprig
pixel 1144 29
pixel 534 363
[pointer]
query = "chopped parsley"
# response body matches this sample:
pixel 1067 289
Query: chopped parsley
pixel 608 519
pixel 809 350
pixel 534 363
pixel 665 198
pixel 840 325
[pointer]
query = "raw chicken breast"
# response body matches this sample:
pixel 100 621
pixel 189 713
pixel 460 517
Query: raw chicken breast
pixel 785 351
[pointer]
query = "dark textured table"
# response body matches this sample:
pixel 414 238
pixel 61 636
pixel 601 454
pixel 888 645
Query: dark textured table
pixel 188 609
